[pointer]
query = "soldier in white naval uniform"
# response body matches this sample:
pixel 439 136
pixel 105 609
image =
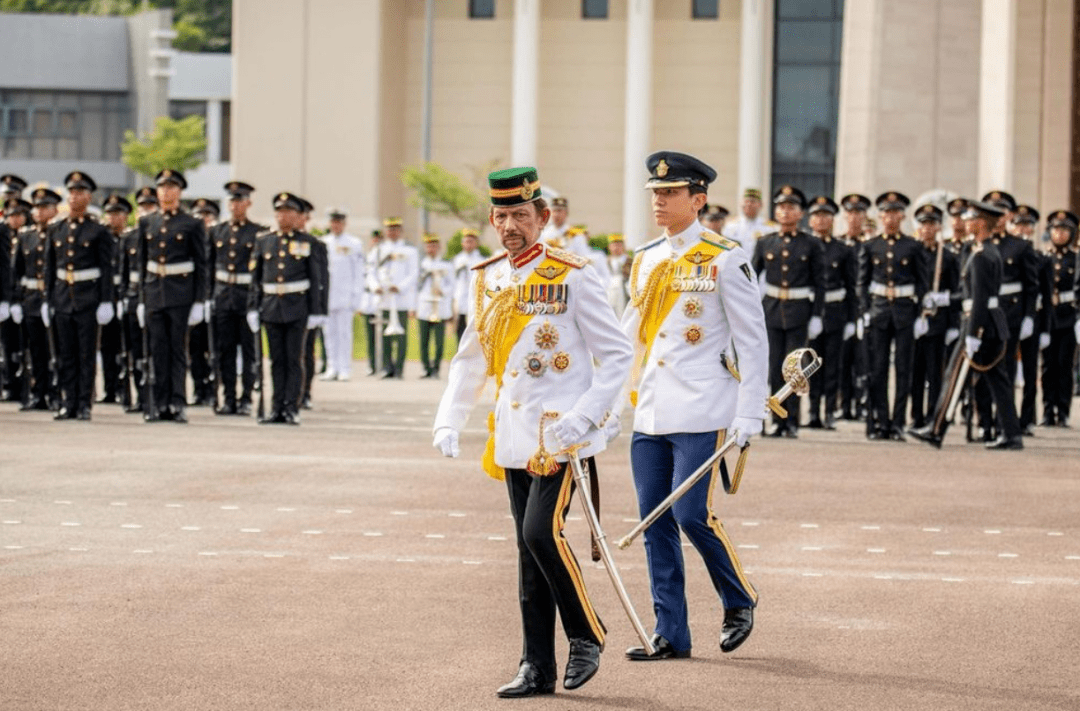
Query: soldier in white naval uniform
pixel 694 305
pixel 464 261
pixel 369 305
pixel 751 225
pixel 434 304
pixel 346 286
pixel 542 327
pixel 394 283
pixel 555 230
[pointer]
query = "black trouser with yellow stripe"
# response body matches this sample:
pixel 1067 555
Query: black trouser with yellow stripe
pixel 549 577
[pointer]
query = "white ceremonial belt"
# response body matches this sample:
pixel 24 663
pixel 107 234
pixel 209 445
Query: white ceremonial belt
pixel 834 295
pixel 1012 287
pixel 164 270
pixel 1064 297
pixel 904 291
pixel 785 293
pixel 232 278
pixel 35 284
pixel 991 303
pixel 72 277
pixel 291 287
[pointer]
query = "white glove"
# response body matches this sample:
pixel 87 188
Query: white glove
pixel 45 315
pixel 140 315
pixel 105 313
pixel 921 327
pixel 951 335
pixel 611 428
pixel 814 330
pixel 1027 327
pixel 746 427
pixel 196 315
pixel 1044 340
pixel 972 344
pixel 120 309
pixel 567 430
pixel 849 330
pixel 942 299
pixel 312 322
pixel 860 329
pixel 1076 328
pixel 446 441
pixel 16 313
pixel 5 311
pixel 253 321
pixel 207 305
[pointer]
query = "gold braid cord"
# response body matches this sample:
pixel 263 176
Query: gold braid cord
pixel 492 324
pixel 647 300
pixel 543 462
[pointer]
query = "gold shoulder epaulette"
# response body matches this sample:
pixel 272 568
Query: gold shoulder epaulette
pixel 568 258
pixel 490 260
pixel 718 240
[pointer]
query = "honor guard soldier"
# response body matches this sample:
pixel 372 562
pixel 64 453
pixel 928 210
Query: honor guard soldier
pixel 128 306
pixel 694 305
pixel 232 245
pixel 956 209
pixel 1023 223
pixel 79 290
pixel 893 277
pixel 146 201
pixel 751 225
pixel 983 333
pixel 286 299
pixel 1064 325
pixel 853 368
pixel 839 314
pixel 541 324
pixel 792 268
pixel 940 316
pixel 393 281
pixel 11 187
pixel 28 279
pixel 555 231
pixel 713 218
pixel 346 294
pixel 320 257
pixel 199 356
pixel 372 317
pixel 111 339
pixel 434 304
pixel 619 263
pixel 464 261
pixel 173 265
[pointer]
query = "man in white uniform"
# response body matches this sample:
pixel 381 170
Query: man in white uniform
pixel 370 303
pixel 346 285
pixel 394 283
pixel 434 304
pixel 555 231
pixel 751 225
pixel 464 261
pixel 618 272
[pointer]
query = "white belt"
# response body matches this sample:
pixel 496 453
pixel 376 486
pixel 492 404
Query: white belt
pixel 35 284
pixel 78 275
pixel 789 294
pixel 992 303
pixel 904 291
pixel 232 278
pixel 1064 297
pixel 133 277
pixel 834 295
pixel 292 287
pixel 1012 287
pixel 164 270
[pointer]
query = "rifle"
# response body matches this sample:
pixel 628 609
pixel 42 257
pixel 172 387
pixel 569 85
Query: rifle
pixel 27 368
pixel 261 412
pixel 214 376
pixel 125 362
pixel 932 310
pixel 54 366
pixel 149 379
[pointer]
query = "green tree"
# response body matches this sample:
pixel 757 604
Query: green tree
pixel 438 190
pixel 179 145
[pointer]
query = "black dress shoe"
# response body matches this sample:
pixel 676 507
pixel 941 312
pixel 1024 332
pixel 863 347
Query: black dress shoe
pixel 180 415
pixel 84 414
pixel 830 422
pixel 986 434
pixel 31 404
pixel 1048 421
pixel 778 431
pixel 1004 442
pixel 290 418
pixel 305 404
pixel 108 400
pixel 791 432
pixel 815 423
pixel 1063 421
pixel 926 434
pixel 663 648
pixel 848 415
pixel 388 375
pixel 64 414
pixel 228 408
pixel 583 664
pixel 738 622
pixel 876 434
pixel 1028 430
pixel 897 435
pixel 528 682
pixel 244 408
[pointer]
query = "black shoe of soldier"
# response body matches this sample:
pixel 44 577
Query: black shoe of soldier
pixel 583 664
pixel 663 650
pixel 244 409
pixel 180 415
pixel 290 418
pixel 830 422
pixel 84 414
pixel 305 404
pixel 1028 430
pixel 738 623
pixel 815 423
pixel 1063 421
pixel 64 414
pixel 791 432
pixel 896 434
pixel 926 434
pixel 228 408
pixel 528 682
pixel 1004 442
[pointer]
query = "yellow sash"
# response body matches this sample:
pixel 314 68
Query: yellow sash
pixel 499 325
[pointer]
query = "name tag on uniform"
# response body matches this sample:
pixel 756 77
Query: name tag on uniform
pixel 695 279
pixel 545 299
pixel 299 249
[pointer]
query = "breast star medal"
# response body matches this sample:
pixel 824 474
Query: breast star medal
pixel 560 361
pixel 535 365
pixel 692 307
pixel 693 334
pixel 547 336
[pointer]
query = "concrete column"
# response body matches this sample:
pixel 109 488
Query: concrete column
pixel 997 84
pixel 752 95
pixel 526 69
pixel 638 131
pixel 213 131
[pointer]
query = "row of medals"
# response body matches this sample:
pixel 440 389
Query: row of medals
pixel 698 279
pixel 546 338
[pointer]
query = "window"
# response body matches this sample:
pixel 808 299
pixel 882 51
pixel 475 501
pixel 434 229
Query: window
pixel 62 125
pixel 182 109
pixel 226 130
pixel 481 9
pixel 594 9
pixel 806 89
pixel 705 9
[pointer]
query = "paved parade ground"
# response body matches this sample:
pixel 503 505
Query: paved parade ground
pixel 345 565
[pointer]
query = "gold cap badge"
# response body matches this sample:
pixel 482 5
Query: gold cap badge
pixel 786 190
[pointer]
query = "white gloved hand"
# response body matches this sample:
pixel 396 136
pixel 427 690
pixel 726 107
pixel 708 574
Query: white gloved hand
pixel 951 335
pixel 253 321
pixel 942 299
pixel 196 315
pixel 1027 328
pixel 972 344
pixel 928 300
pixel 140 315
pixel 446 441
pixel 921 327
pixel 611 428
pixel 1044 340
pixel 849 330
pixel 1076 329
pixel 207 305
pixel 5 311
pixel 105 313
pixel 120 309
pixel 746 427
pixel 814 329
pixel 16 313
pixel 860 329
pixel 567 430
pixel 312 322
pixel 45 315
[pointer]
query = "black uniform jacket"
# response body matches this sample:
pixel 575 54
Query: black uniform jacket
pixel 172 240
pixel 981 277
pixel 29 263
pixel 1020 265
pixel 290 261
pixel 893 261
pixel 77 245
pixel 791 261
pixel 231 247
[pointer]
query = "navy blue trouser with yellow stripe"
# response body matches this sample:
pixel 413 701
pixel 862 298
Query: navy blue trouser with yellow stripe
pixel 660 464
pixel 549 577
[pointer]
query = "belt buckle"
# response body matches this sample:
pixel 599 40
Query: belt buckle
pixel 1057 298
pixel 69 277
pixel 890 293
pixel 784 293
